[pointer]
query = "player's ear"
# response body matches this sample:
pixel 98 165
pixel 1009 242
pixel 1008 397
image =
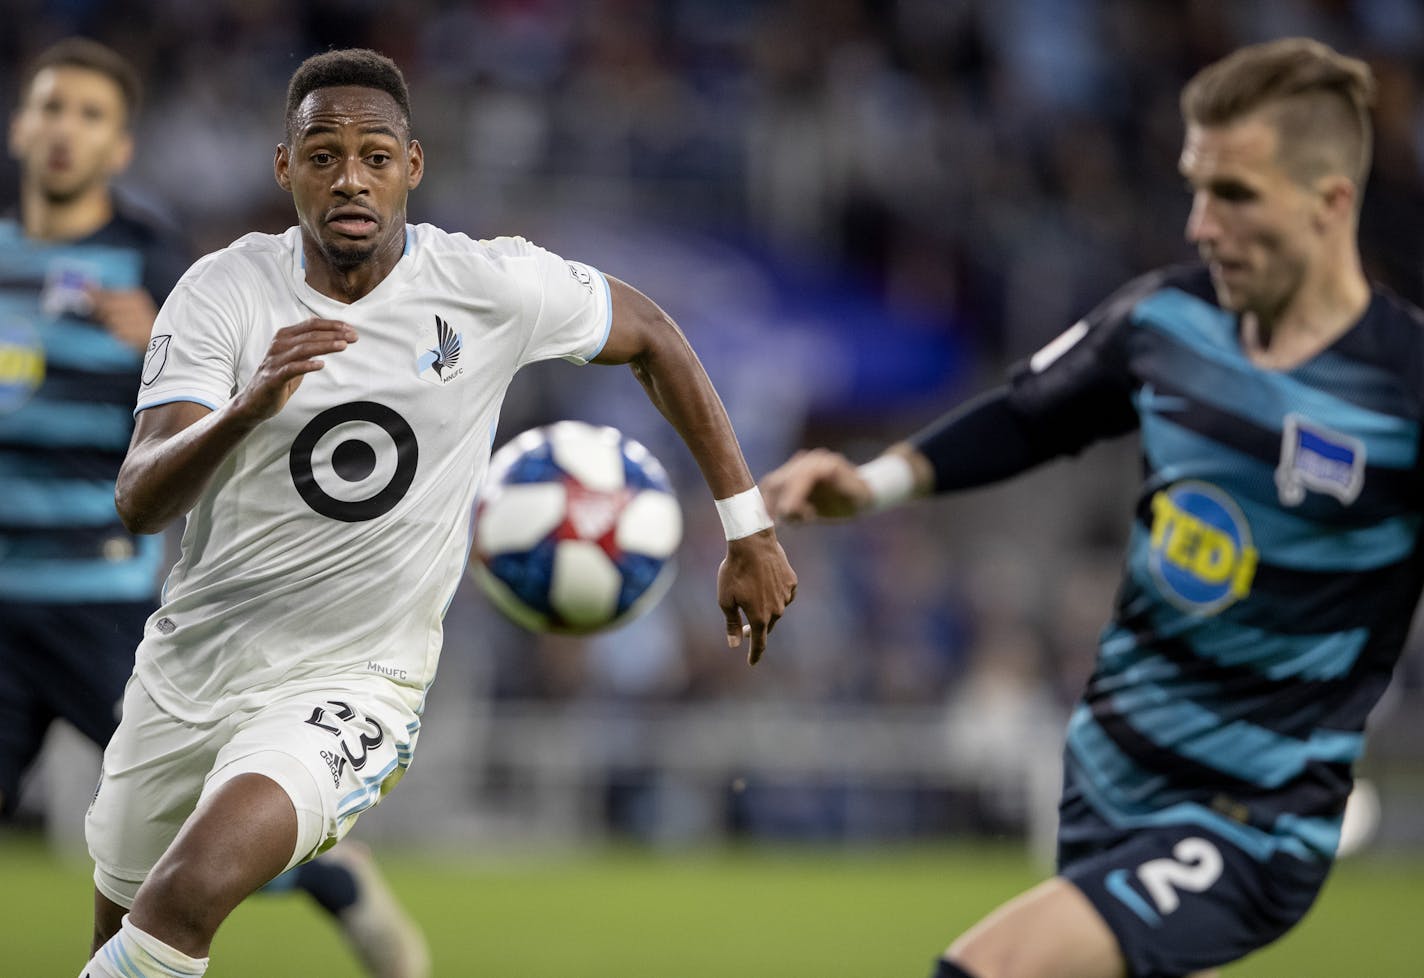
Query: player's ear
pixel 416 165
pixel 1337 198
pixel 281 166
pixel 122 155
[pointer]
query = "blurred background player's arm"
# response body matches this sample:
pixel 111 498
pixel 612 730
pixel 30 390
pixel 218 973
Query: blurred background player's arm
pixel 127 314
pixel 981 442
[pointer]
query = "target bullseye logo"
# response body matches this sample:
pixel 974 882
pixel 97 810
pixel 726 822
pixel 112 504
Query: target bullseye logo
pixel 355 461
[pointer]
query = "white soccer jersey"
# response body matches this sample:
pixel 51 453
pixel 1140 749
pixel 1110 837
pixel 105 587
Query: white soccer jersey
pixel 331 540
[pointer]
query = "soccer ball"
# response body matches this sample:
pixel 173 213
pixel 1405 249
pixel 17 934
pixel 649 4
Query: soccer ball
pixel 575 529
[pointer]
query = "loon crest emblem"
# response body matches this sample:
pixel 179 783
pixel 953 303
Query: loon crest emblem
pixel 441 364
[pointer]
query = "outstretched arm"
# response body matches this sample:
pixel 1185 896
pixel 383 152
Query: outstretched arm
pixel 755 579
pixel 177 447
pixel 979 443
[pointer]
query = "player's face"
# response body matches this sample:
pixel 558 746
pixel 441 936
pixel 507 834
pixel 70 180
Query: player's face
pixel 349 169
pixel 70 133
pixel 1253 223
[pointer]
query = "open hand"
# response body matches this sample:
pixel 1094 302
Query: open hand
pixel 294 353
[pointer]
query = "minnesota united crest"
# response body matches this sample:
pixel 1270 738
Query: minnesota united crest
pixel 441 364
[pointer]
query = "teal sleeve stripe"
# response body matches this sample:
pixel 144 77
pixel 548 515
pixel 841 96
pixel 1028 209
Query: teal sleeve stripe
pixel 1096 755
pixel 1238 748
pixel 78 581
pixel 53 502
pixel 64 424
pixel 1225 379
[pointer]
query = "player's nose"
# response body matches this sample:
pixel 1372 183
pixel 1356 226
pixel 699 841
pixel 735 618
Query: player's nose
pixel 1202 225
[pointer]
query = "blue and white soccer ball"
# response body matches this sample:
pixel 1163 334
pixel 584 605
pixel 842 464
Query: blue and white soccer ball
pixel 575 529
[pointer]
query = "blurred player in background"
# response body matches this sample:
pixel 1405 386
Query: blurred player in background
pixel 1274 564
pixel 321 404
pixel 81 275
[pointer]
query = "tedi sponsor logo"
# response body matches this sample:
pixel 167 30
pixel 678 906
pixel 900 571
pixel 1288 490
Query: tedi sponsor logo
pixel 441 364
pixel 1200 552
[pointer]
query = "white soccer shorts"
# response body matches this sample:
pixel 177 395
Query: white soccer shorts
pixel 335 754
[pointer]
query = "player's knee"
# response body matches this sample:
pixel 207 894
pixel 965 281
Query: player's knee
pixel 190 896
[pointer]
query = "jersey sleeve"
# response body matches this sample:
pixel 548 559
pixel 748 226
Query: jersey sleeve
pixel 1078 388
pixel 567 305
pixel 193 352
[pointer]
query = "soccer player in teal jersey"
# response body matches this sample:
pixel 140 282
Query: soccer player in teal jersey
pixel 1275 557
pixel 81 275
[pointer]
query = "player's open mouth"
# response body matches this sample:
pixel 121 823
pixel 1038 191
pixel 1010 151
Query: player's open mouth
pixel 354 226
pixel 352 222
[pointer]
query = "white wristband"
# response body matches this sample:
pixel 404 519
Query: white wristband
pixel 743 514
pixel 891 480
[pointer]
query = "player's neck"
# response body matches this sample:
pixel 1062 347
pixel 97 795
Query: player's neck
pixel 351 284
pixel 1325 308
pixel 46 219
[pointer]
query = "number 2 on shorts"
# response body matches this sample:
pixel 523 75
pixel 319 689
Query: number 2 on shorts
pixel 1195 866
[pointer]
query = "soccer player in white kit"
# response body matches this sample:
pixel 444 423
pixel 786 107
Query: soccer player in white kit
pixel 321 405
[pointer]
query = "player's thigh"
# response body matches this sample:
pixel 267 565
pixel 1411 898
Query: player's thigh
pixel 334 753
pixel 152 776
pixel 1180 899
pixel 1052 931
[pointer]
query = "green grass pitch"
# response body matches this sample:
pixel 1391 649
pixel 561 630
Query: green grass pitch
pixel 788 913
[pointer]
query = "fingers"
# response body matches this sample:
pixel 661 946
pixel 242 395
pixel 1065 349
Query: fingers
pixel 758 636
pixel 307 340
pixel 735 628
pixel 810 484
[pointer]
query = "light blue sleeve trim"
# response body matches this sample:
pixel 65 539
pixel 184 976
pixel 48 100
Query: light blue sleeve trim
pixel 174 400
pixel 607 325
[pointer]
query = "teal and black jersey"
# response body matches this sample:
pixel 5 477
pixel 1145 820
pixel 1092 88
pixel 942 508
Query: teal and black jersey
pixel 67 390
pixel 1274 563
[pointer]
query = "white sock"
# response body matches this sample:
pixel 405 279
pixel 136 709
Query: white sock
pixel 133 954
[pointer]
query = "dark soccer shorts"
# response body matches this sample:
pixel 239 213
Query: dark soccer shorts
pixel 1180 898
pixel 61 661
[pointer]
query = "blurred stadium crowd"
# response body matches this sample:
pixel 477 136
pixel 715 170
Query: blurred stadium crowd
pixel 859 211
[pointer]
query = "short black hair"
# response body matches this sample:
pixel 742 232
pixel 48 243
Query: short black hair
pixel 347 66
pixel 81 52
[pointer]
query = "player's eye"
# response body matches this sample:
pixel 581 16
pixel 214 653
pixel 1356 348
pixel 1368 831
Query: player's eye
pixel 323 159
pixel 379 159
pixel 1234 193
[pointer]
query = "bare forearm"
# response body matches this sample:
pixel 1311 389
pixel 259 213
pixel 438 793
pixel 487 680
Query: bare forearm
pixel 676 383
pixel 161 479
